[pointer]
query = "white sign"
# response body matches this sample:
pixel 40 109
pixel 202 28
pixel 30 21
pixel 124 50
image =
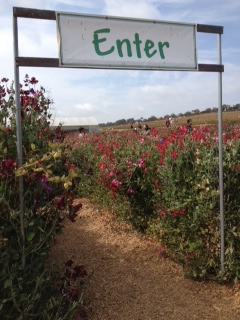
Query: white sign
pixel 94 41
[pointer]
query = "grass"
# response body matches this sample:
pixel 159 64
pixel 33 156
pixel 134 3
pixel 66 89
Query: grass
pixel 232 117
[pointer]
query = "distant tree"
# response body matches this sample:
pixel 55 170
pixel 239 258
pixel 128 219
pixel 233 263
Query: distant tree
pixel 237 105
pixel 180 114
pixel 208 110
pixel 119 122
pixel 187 113
pixel 166 116
pixel 173 115
pixel 130 120
pixel 226 107
pixel 196 111
pixel 214 109
pixel 109 124
pixel 152 118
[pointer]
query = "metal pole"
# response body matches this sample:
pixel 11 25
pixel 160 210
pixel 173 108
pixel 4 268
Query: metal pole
pixel 19 134
pixel 220 154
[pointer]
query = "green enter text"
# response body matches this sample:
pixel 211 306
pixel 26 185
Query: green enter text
pixel 148 47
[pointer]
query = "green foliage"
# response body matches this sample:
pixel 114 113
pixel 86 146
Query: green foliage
pixel 36 291
pixel 191 184
pixel 30 287
pixel 167 184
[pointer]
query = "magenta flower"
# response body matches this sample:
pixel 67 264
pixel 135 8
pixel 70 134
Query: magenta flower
pixel 111 174
pixel 116 183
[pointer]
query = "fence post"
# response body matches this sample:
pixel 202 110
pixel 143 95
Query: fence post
pixel 19 134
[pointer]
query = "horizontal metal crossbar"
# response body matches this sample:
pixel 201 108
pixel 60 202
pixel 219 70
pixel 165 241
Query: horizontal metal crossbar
pixel 54 63
pixel 209 29
pixel 51 15
pixel 34 13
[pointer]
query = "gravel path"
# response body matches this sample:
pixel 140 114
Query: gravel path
pixel 130 281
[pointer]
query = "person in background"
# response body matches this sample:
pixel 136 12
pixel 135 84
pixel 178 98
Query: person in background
pixel 81 132
pixel 146 129
pixel 167 123
pixel 189 126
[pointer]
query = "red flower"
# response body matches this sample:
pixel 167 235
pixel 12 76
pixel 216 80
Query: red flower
pixel 174 154
pixel 175 213
pixel 74 293
pixel 8 131
pixel 182 211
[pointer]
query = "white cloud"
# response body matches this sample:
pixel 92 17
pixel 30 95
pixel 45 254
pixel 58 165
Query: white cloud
pixel 83 107
pixel 129 8
pixel 80 3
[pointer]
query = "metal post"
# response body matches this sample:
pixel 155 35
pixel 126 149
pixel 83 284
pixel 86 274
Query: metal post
pixel 19 134
pixel 220 154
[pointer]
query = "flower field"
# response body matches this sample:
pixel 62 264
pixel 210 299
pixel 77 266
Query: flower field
pixel 165 184
pixel 28 289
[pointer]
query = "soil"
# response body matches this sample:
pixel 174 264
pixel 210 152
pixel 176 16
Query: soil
pixel 130 280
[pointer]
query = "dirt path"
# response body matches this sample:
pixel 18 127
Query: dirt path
pixel 130 280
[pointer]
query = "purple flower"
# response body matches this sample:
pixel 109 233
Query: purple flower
pixel 161 141
pixel 44 184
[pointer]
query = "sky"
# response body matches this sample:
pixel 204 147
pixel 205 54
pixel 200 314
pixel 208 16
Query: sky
pixel 111 95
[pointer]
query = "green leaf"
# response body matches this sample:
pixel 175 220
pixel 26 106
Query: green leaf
pixel 30 236
pixel 16 256
pixel 30 137
pixel 7 283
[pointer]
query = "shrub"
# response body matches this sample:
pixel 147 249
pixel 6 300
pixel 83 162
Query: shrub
pixel 29 289
pixel 167 184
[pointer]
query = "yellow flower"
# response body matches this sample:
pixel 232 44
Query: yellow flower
pixel 20 172
pixel 38 170
pixel 57 155
pixel 67 184
pixel 55 179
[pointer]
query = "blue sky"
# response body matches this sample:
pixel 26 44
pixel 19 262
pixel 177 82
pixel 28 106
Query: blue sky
pixel 110 95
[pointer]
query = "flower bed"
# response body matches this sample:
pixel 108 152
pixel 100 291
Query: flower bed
pixel 30 287
pixel 166 184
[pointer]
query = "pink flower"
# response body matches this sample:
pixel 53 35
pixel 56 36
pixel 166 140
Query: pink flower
pixel 116 183
pixel 131 191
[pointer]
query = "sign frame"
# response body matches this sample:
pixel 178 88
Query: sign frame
pixel 19 12
pixel 81 44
